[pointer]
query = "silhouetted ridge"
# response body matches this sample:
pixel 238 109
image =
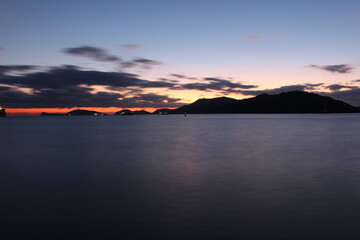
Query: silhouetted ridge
pixel 288 102
pixel 212 105
pixel 141 112
pixel 162 111
pixel 124 112
pixel 83 112
pixel 2 111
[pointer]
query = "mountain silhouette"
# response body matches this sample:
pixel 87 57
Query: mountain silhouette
pixel 129 112
pixel 212 105
pixel 141 112
pixel 83 112
pixel 124 112
pixel 162 111
pixel 288 102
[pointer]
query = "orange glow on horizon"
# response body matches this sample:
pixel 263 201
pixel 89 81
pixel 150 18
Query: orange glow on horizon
pixel 38 111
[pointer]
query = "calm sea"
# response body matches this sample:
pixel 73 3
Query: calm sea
pixel 242 176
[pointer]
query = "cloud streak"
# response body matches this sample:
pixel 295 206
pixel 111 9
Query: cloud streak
pixel 289 88
pixel 215 84
pixel 253 38
pixel 131 46
pixel 336 87
pixel 181 76
pixel 94 53
pixel 340 68
pixel 65 76
pixel 11 69
pixel 141 63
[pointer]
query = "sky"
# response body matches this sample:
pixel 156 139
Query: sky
pixel 113 54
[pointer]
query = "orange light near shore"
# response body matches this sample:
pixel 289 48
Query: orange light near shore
pixel 38 111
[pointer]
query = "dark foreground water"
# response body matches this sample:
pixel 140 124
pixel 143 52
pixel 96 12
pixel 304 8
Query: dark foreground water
pixel 246 177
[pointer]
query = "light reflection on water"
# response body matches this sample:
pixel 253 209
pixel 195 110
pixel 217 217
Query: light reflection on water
pixel 241 176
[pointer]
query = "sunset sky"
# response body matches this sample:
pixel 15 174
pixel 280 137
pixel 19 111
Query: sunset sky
pixel 114 54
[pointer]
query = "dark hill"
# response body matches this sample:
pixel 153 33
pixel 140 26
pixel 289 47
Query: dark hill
pixel 124 112
pixel 162 111
pixel 141 112
pixel 289 102
pixel 213 105
pixel 83 112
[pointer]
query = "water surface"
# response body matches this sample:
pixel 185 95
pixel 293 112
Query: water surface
pixel 240 176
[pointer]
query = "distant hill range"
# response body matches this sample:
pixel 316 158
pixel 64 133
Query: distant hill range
pixel 129 112
pixel 78 112
pixel 288 102
pixel 81 112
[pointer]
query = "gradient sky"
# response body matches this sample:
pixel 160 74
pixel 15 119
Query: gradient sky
pixel 166 53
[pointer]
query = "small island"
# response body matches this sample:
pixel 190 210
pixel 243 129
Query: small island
pixel 78 112
pixel 2 111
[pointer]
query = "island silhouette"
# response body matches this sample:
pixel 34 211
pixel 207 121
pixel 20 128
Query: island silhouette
pixel 286 102
pixel 129 112
pixel 2 111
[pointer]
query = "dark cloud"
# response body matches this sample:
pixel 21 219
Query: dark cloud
pixel 168 80
pixel 351 96
pixel 341 68
pixel 275 90
pixel 335 87
pixel 140 62
pixel 155 98
pixel 180 76
pixel 66 76
pixel 69 86
pixel 131 46
pixel 59 98
pixel 94 53
pixel 10 69
pixel 177 75
pixel 300 87
pixel 81 97
pixel 312 86
pixel 215 84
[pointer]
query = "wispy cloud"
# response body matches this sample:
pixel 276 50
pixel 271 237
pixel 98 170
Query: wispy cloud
pixel 340 68
pixel 94 53
pixel 177 75
pixel 131 46
pixel 140 62
pixel 215 84
pixel 289 88
pixel 336 87
pixel 181 76
pixel 11 69
pixel 253 38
